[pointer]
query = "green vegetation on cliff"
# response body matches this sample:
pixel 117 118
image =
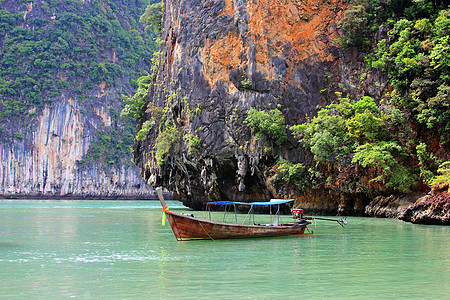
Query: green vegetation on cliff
pixel 269 124
pixel 417 61
pixel 388 137
pixel 68 49
pixel 134 106
pixel 443 175
pixel 415 54
pixel 112 147
pixel 153 16
pixel 360 132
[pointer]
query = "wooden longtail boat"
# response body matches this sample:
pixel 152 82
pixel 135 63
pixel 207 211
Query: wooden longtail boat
pixel 187 227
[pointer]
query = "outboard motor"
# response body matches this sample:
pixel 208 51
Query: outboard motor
pixel 297 213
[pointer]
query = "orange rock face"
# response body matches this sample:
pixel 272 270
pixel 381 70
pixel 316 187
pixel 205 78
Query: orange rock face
pixel 295 22
pixel 220 56
pixel 295 30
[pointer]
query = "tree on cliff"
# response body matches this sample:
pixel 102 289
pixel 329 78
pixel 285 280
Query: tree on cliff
pixel 153 16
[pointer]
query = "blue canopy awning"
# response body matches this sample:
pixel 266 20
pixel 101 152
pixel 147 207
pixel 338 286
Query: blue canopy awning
pixel 271 202
pixel 221 203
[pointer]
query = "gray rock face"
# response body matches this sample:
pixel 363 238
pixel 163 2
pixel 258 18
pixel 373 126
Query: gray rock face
pixel 390 207
pixel 219 59
pixel 44 164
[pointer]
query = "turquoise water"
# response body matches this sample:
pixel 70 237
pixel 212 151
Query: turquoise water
pixel 120 250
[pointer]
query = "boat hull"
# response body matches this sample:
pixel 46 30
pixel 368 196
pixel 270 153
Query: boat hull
pixel 190 228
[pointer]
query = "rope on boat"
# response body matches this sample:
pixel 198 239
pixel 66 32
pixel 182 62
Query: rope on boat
pixel 205 230
pixel 249 220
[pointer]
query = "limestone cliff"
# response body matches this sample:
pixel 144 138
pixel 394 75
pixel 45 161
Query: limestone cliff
pixel 219 59
pixel 45 163
pixel 64 67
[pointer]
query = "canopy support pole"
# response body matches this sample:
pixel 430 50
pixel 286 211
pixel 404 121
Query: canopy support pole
pixel 278 214
pixel 225 213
